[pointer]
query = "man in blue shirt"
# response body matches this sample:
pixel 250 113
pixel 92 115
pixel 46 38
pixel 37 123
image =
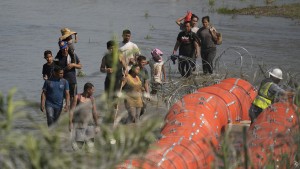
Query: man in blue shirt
pixel 52 96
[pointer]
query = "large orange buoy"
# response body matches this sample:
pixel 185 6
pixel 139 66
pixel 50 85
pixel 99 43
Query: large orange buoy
pixel 270 137
pixel 194 124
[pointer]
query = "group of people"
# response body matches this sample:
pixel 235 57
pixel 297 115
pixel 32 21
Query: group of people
pixel 127 73
pixel 60 84
pixel 193 41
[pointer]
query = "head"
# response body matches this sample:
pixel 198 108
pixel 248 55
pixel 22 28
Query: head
pixel 276 75
pixel 135 70
pixel 157 55
pixel 187 26
pixel 126 35
pixel 194 20
pixel 110 44
pixel 48 56
pixel 63 47
pixel 58 72
pixel 142 61
pixel 89 88
pixel 205 21
pixel 66 34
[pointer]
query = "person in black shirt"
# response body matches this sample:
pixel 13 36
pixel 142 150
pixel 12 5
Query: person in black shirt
pixel 49 66
pixel 188 45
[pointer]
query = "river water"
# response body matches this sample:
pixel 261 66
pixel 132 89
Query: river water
pixel 29 27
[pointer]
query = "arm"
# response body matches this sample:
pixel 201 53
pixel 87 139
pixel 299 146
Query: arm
pixel 146 86
pixel 71 113
pixel 197 48
pixel 176 47
pixel 178 21
pixel 43 99
pixel 164 72
pixel 136 52
pixel 67 100
pixel 76 65
pixel 76 38
pixel 102 66
pixel 213 33
pixel 123 63
pixel 95 115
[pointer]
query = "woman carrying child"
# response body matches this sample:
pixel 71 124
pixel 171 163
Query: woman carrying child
pixel 132 86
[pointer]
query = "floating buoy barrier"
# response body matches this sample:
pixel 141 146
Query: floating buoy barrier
pixel 271 136
pixel 194 124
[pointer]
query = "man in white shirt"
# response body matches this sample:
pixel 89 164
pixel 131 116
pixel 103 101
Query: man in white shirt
pixel 129 49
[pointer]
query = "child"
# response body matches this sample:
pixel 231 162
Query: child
pixel 66 35
pixel 157 69
pixel 49 66
pixel 83 117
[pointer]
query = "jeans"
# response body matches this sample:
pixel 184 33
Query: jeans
pixel 254 111
pixel 52 114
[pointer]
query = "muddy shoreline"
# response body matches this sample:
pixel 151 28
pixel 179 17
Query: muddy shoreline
pixel 291 11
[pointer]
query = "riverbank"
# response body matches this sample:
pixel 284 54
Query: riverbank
pixel 288 11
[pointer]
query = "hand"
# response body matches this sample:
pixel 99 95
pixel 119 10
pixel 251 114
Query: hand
pixel 147 96
pixel 42 108
pixel 119 94
pixel 109 70
pixel 71 126
pixel 97 129
pixel 66 108
pixel 174 52
pixel 131 61
pixel 212 29
pixel 70 66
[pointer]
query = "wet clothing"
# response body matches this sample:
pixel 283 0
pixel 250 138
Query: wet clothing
pixel 187 48
pixel 63 62
pixel 156 67
pixel 83 119
pixel 54 90
pixel 69 75
pixel 144 76
pixel 108 61
pixel 208 49
pixel 133 90
pixel 48 70
pixel 133 99
pixel 266 94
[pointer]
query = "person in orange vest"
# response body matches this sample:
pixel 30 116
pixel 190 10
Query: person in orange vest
pixel 267 92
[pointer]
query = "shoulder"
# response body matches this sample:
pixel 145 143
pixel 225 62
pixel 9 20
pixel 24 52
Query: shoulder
pixel 200 29
pixel 64 81
pixel 132 44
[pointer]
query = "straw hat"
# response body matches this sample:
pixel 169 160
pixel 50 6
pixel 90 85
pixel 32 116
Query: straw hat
pixel 66 32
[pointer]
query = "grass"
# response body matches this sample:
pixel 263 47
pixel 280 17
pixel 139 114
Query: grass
pixel 288 11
